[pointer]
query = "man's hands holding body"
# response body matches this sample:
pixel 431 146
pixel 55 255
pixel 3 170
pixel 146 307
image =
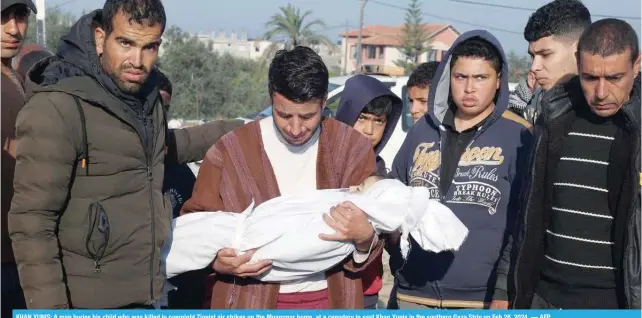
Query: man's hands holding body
pixel 351 224
pixel 228 262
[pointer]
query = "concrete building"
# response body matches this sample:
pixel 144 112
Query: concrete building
pixel 381 45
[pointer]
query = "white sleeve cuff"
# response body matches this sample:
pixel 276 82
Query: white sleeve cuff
pixel 360 257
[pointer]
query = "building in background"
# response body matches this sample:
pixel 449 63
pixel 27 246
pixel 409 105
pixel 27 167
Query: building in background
pixel 381 45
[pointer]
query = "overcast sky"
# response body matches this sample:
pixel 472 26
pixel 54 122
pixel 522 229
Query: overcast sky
pixel 250 15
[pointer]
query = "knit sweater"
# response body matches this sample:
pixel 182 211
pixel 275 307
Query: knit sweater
pixel 578 268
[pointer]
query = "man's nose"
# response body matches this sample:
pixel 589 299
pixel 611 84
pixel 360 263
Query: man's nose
pixel 470 86
pixel 296 127
pixel 11 27
pixel 136 58
pixel 536 64
pixel 601 92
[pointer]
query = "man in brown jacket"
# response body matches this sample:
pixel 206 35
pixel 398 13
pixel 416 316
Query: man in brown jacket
pixel 295 150
pixel 88 217
pixel 15 17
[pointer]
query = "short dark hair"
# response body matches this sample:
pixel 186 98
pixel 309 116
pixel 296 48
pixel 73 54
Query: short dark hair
pixel 299 75
pixel 477 47
pixel 164 84
pixel 608 37
pixel 380 106
pixel 565 18
pixel 422 76
pixel 149 12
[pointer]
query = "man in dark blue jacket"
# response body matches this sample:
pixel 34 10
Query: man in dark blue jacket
pixel 470 151
pixel 372 109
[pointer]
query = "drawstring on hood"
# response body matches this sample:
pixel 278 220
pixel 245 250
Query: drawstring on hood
pixel 360 90
pixel 439 96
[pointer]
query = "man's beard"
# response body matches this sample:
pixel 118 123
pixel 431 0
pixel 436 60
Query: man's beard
pixel 126 87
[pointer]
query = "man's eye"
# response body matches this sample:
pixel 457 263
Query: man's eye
pixel 125 44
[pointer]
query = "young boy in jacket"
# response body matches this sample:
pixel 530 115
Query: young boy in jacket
pixel 372 109
pixel 469 150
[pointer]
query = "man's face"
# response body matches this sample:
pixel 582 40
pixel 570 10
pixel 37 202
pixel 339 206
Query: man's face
pixel 607 81
pixel 371 126
pixel 473 85
pixel 553 60
pixel 297 122
pixel 14 29
pixel 418 99
pixel 129 51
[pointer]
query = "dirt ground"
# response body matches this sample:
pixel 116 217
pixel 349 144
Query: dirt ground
pixel 384 294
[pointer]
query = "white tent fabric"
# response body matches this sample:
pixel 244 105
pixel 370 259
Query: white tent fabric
pixel 286 230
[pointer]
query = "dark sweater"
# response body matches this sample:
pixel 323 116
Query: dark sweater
pixel 578 269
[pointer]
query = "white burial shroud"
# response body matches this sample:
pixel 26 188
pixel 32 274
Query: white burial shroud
pixel 286 230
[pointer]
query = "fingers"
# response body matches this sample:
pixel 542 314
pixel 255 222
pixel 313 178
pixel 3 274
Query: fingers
pixel 227 252
pixel 340 215
pixel 251 270
pixel 336 237
pixel 349 205
pixel 332 223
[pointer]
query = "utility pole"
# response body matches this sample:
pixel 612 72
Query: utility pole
pixel 359 53
pixel 346 48
pixel 41 36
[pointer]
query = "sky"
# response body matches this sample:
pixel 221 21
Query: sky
pixel 250 15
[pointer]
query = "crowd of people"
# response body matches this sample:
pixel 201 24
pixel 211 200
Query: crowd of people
pixel 545 177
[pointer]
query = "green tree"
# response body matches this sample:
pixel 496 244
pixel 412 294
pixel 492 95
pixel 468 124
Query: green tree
pixel 291 28
pixel 57 24
pixel 518 67
pixel 414 37
pixel 207 85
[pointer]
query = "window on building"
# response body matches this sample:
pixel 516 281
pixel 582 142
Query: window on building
pixel 372 52
pixel 353 52
pixel 432 55
pixel 381 50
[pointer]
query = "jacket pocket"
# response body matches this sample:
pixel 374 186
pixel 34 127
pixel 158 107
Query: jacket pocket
pixel 98 231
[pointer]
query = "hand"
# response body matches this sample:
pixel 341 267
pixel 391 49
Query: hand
pixel 350 224
pixel 499 304
pixel 227 262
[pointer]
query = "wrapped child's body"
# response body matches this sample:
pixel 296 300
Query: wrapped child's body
pixel 286 229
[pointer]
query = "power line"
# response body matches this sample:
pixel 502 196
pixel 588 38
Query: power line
pixel 450 19
pixel 503 6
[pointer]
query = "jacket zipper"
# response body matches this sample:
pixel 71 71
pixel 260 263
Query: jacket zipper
pixel 150 179
pixel 526 210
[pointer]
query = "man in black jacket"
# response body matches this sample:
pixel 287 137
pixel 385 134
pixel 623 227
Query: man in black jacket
pixel 579 244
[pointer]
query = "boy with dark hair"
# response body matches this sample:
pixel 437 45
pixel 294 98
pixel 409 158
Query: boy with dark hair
pixel 470 151
pixel 580 243
pixel 419 87
pixel 373 110
pixel 552 33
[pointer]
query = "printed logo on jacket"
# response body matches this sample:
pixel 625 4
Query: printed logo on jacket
pixel 474 180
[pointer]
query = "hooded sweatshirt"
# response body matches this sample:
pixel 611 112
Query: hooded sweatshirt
pixel 357 93
pixel 483 194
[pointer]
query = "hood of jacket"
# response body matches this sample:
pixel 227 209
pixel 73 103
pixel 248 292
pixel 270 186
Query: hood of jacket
pixel 439 96
pixel 359 90
pixel 77 59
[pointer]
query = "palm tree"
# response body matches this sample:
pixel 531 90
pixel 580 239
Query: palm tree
pixel 291 26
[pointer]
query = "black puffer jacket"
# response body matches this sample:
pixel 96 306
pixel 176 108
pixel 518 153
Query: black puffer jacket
pixel 528 252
